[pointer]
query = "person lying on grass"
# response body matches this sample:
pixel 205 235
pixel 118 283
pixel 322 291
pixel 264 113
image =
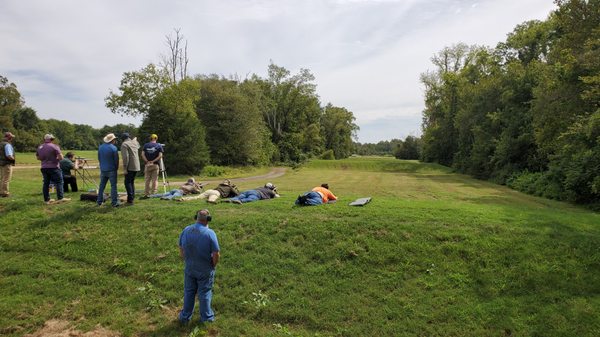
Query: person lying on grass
pixel 190 187
pixel 269 191
pixel 317 196
pixel 224 190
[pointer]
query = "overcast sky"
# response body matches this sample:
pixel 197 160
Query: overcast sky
pixel 367 55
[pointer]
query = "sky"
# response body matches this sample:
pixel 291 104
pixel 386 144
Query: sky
pixel 367 55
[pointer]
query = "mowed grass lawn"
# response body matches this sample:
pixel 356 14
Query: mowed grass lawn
pixel 434 254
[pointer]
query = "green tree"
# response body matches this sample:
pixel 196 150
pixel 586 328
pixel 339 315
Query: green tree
pixel 410 148
pixel 338 130
pixel 29 129
pixel 10 102
pixel 236 133
pixel 173 117
pixel 292 112
pixel 137 91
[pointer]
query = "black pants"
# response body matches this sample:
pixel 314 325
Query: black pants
pixel 130 185
pixel 70 180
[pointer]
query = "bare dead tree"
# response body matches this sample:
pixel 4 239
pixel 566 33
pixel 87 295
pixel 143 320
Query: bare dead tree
pixel 176 62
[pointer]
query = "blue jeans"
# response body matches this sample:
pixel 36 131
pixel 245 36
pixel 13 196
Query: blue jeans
pixel 201 285
pixel 248 196
pixel 106 176
pixel 169 195
pixel 55 176
pixel 311 199
pixel 130 185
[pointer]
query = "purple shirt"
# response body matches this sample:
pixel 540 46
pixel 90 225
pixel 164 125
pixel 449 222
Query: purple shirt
pixel 48 153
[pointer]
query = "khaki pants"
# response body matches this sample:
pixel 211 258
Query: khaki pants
pixel 212 195
pixel 5 175
pixel 151 179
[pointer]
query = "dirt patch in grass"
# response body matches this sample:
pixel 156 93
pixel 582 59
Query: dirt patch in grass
pixel 60 328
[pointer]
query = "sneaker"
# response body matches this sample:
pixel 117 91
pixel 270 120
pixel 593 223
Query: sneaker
pixel 4 195
pixel 63 200
pixel 213 202
pixel 239 202
pixel 143 197
pixel 49 202
pixel 117 205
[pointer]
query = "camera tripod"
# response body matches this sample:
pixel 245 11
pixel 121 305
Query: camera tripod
pixel 165 178
pixel 85 176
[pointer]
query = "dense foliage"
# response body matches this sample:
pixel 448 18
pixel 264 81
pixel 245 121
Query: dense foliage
pixel 525 113
pixel 205 119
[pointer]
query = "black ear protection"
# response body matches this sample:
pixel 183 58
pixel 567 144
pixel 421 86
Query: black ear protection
pixel 206 216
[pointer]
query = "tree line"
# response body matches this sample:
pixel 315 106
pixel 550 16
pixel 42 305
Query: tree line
pixel 204 119
pixel 525 113
pixel 29 129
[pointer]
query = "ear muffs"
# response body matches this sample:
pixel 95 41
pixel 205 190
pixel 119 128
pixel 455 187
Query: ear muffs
pixel 206 217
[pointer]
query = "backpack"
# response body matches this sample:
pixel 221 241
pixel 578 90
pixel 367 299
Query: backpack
pixel 302 200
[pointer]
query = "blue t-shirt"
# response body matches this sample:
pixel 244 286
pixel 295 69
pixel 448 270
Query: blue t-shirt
pixel 9 150
pixel 198 243
pixel 108 156
pixel 151 150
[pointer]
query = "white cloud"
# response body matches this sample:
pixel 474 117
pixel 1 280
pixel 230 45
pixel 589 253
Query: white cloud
pixel 65 55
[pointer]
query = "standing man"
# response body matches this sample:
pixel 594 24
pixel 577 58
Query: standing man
pixel 50 156
pixel 199 248
pixel 66 165
pixel 151 154
pixel 108 156
pixel 131 164
pixel 7 161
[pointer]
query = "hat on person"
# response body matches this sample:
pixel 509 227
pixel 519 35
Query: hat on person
pixel 270 186
pixel 154 136
pixel 226 182
pixel 191 181
pixel 125 135
pixel 48 137
pixel 8 135
pixel 109 138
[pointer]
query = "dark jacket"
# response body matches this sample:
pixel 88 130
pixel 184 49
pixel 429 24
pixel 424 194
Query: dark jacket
pixel 227 191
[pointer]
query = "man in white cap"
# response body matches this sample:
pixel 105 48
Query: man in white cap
pixel 7 161
pixel 50 156
pixel 108 157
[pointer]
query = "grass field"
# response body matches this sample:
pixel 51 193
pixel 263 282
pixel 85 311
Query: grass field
pixel 434 254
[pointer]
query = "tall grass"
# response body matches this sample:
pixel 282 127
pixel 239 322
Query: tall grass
pixel 434 254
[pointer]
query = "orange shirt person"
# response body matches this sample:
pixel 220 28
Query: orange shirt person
pixel 325 193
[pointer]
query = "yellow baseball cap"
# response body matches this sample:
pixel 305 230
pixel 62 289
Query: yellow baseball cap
pixel 153 136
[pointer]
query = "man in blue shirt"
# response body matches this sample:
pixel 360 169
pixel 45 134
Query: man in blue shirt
pixel 199 248
pixel 152 152
pixel 108 157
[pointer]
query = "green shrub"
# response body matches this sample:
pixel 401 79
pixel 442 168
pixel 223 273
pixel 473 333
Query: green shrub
pixel 213 171
pixel 543 184
pixel 328 155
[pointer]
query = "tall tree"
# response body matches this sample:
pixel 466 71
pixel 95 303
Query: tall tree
pixel 291 111
pixel 338 130
pixel 236 134
pixel 172 117
pixel 10 102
